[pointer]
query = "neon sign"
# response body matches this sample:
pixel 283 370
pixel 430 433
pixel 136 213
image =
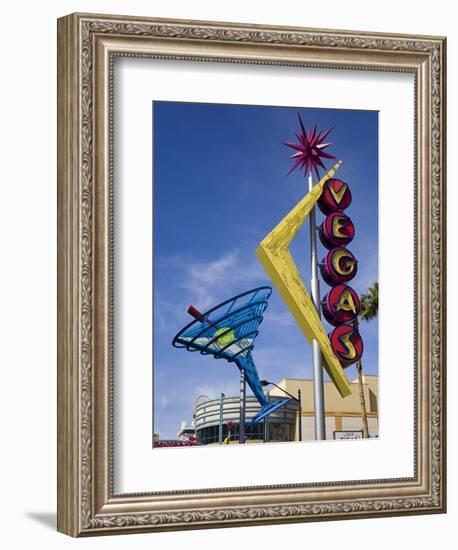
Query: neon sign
pixel 339 266
pixel 336 196
pixel 336 230
pixel 341 304
pixel 347 344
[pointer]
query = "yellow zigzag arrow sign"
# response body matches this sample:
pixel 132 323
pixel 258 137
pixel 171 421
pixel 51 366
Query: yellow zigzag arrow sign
pixel 276 259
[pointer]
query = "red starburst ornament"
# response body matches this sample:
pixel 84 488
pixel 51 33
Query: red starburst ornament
pixel 310 149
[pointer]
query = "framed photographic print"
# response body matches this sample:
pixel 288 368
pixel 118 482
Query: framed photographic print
pixel 251 274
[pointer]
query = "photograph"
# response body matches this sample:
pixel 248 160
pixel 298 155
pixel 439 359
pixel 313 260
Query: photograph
pixel 232 199
pixel 230 181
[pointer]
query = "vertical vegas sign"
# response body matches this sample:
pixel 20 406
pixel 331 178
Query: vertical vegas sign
pixel 340 307
pixel 341 304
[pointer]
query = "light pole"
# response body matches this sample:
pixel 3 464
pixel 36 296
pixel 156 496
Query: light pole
pixel 318 391
pixel 266 424
pixel 300 413
pixel 242 407
pixel 297 399
pixel 221 400
pixel 308 156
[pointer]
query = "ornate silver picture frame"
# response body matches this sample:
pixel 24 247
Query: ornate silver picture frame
pixel 88 44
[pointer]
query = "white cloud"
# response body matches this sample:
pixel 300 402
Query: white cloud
pixel 210 282
pixel 163 401
pixel 202 284
pixel 282 318
pixel 229 388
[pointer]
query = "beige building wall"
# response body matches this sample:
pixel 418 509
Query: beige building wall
pixel 308 428
pixel 341 413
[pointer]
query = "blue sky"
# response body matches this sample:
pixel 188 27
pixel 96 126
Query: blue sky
pixel 219 188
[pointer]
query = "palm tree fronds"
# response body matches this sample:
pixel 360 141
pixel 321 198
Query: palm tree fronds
pixel 368 310
pixel 369 303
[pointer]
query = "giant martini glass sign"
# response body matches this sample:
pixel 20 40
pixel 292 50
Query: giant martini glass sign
pixel 228 331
